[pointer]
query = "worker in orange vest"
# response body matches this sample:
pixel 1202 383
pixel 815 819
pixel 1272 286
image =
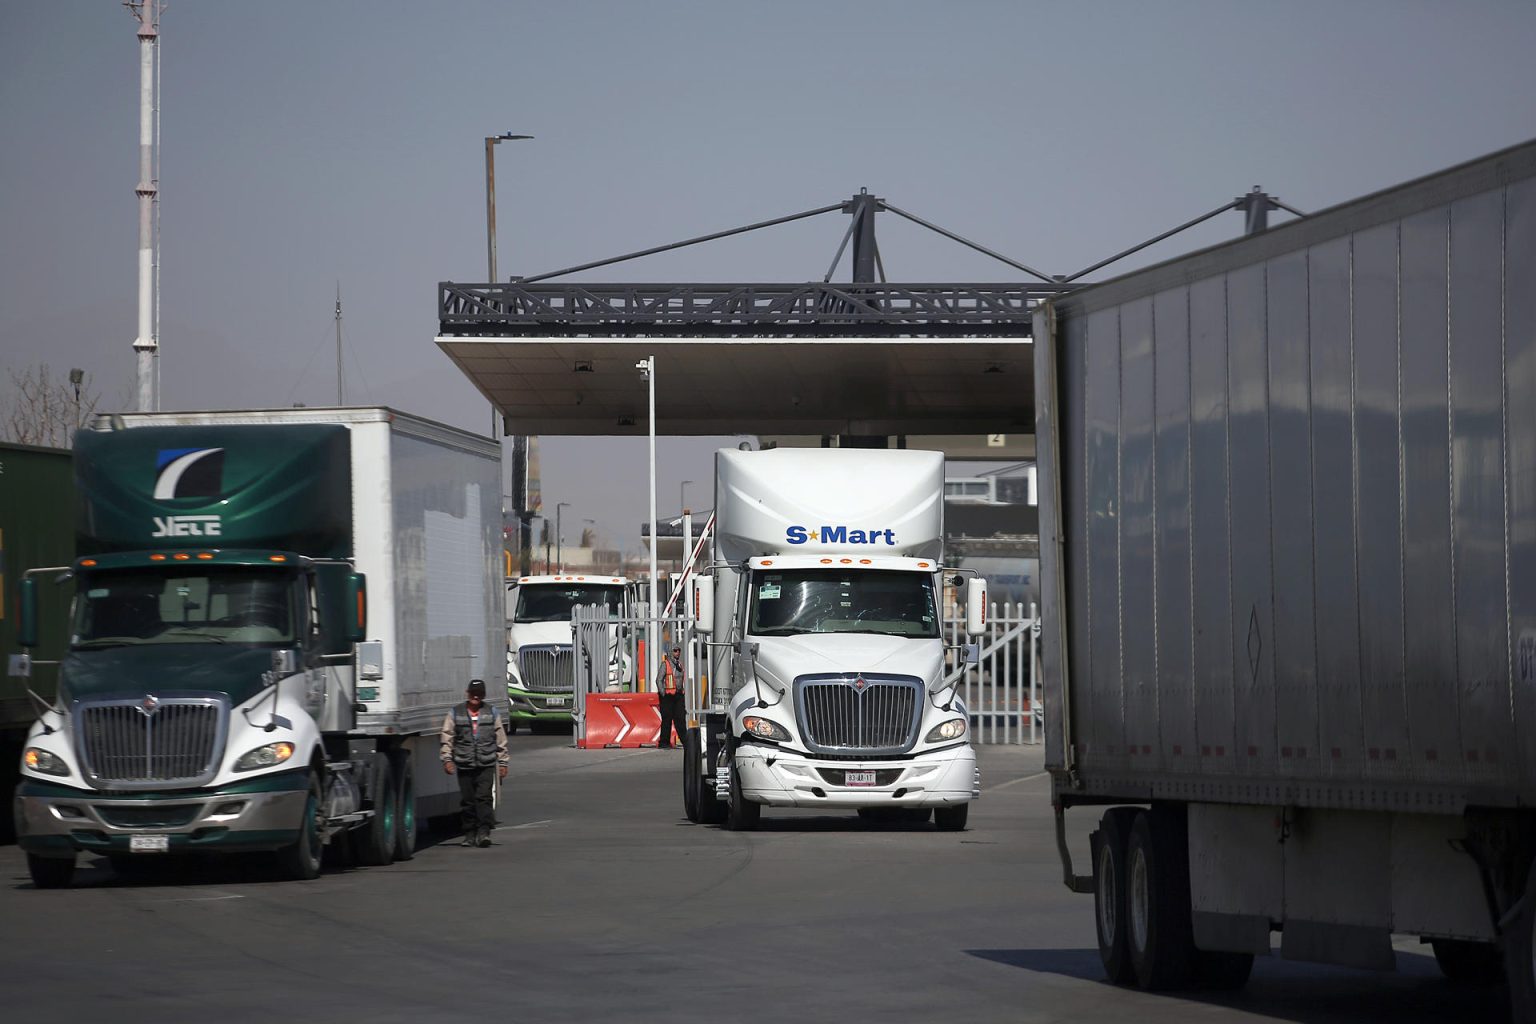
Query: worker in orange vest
pixel 671 698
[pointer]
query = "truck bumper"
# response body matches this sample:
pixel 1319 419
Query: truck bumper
pixel 524 706
pixel 262 814
pixel 782 779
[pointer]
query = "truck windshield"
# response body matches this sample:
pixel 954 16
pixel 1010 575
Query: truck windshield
pixel 795 601
pixel 553 603
pixel 220 605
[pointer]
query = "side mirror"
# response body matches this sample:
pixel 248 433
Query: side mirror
pixel 26 629
pixel 975 606
pixel 285 662
pixel 357 608
pixel 703 605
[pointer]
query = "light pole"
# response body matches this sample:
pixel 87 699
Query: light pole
pixel 559 537
pixel 76 377
pixel 647 368
pixel 683 496
pixel 490 197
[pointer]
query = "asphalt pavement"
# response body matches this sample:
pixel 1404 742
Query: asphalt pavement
pixel 600 902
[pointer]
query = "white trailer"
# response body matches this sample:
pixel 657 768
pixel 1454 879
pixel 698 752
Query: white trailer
pixel 828 682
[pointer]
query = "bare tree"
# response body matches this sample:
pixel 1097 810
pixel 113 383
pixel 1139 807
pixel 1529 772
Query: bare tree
pixel 38 408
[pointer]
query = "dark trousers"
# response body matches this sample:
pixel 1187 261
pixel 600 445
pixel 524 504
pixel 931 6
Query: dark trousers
pixel 476 812
pixel 673 713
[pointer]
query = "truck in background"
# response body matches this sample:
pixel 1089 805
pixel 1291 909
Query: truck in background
pixel 540 676
pixel 828 675
pixel 272 612
pixel 1288 535
pixel 37 527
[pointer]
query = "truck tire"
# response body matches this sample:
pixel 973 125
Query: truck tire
pixel 51 872
pixel 300 861
pixel 1159 932
pixel 1520 954
pixel 742 815
pixel 692 791
pixel 1108 844
pixel 1473 964
pixel 374 842
pixel 951 818
pixel 405 809
pixel 1222 972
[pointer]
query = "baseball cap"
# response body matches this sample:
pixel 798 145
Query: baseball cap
pixel 476 688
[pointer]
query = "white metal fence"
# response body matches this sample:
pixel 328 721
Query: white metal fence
pixel 1002 691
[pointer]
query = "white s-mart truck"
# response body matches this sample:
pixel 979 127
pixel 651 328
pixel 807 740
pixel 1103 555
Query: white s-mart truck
pixel 272 611
pixel 540 674
pixel 828 675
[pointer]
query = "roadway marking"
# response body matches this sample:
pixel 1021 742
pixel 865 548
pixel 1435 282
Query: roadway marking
pixel 1014 782
pixel 533 824
pixel 194 899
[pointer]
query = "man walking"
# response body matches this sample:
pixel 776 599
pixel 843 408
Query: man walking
pixel 474 748
pixel 670 698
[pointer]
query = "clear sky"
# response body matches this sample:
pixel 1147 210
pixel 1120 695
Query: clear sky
pixel 325 141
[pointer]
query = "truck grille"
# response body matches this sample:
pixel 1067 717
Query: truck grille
pixel 140 744
pixel 546 669
pixel 859 715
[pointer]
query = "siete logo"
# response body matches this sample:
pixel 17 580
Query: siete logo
pixel 839 535
pixel 189 473
pixel 187 526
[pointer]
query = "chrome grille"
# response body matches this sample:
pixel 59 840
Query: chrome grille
pixel 140 744
pixel 857 714
pixel 547 669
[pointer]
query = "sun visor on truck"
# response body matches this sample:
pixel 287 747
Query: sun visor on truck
pixel 285 487
pixel 809 500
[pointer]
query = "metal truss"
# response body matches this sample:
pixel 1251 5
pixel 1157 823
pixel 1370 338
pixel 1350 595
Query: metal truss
pixel 811 309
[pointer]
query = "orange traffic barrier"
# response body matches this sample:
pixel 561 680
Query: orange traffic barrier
pixel 621 720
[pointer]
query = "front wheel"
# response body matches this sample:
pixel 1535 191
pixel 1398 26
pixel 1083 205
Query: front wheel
pixel 741 814
pixel 301 860
pixel 951 818
pixel 51 872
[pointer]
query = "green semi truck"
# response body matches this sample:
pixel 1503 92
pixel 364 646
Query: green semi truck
pixel 37 495
pixel 271 613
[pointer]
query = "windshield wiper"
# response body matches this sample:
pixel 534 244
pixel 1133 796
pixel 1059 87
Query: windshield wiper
pixel 106 641
pixel 193 632
pixel 782 631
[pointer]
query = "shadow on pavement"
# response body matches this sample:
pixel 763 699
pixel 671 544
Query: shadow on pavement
pixel 1305 993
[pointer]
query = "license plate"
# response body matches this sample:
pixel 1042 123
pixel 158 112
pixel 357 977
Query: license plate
pixel 149 844
pixel 558 702
pixel 858 778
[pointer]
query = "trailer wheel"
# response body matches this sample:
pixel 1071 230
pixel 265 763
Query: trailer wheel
pixel 1520 954
pixel 405 796
pixel 1474 964
pixel 301 861
pixel 741 815
pixel 1222 972
pixel 374 842
pixel 51 872
pixel 1158 929
pixel 951 818
pixel 1108 843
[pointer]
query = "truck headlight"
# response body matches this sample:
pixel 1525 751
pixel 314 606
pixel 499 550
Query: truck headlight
pixel 950 730
pixel 264 757
pixel 764 729
pixel 44 763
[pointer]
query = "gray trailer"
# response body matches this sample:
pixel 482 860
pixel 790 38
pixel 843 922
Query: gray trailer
pixel 1288 545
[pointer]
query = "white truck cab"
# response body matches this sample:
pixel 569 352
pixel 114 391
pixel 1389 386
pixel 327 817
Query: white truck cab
pixel 826 620
pixel 539 669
